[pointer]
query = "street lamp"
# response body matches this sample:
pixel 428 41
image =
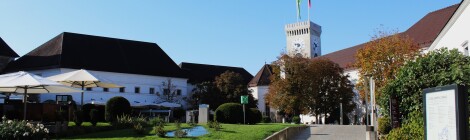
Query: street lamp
pixel 341 110
pixel 365 91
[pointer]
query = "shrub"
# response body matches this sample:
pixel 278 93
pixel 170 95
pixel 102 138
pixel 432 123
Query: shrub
pixel 139 129
pixel 157 121
pixel 179 133
pixel 78 117
pixel 94 116
pixel 160 131
pixel 296 119
pixel 384 125
pixel 253 116
pixel 266 119
pixel 229 113
pixel 116 106
pixel 437 68
pixel 126 121
pixel 123 121
pixel 12 129
pixel 411 129
pixel 214 124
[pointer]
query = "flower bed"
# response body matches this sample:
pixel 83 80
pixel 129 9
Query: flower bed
pixel 13 129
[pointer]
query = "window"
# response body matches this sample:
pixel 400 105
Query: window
pixel 178 92
pixel 166 92
pixel 152 90
pixel 63 99
pixel 106 89
pixel 88 88
pixel 122 89
pixel 137 89
pixel 465 48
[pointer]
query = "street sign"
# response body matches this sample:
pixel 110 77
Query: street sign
pixel 244 99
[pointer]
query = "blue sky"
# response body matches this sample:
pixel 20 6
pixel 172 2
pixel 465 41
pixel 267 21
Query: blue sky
pixel 242 33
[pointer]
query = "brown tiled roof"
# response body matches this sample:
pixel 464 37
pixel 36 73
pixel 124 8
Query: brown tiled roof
pixel 422 32
pixel 79 51
pixel 199 73
pixel 5 50
pixel 262 77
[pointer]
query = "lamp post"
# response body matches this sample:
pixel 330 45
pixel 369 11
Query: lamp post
pixel 367 116
pixel 372 100
pixel 341 111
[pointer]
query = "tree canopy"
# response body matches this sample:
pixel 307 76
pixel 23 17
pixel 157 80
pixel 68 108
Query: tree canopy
pixel 437 68
pixel 227 88
pixel 301 85
pixel 382 57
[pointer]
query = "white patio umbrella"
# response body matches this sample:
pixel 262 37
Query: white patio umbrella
pixel 27 83
pixel 143 104
pixel 95 102
pixel 168 104
pixel 81 79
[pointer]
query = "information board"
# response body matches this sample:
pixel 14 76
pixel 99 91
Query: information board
pixel 445 113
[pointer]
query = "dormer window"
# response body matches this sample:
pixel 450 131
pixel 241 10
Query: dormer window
pixel 465 48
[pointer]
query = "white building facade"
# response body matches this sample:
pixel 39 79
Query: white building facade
pixel 456 33
pixel 143 69
pixel 138 89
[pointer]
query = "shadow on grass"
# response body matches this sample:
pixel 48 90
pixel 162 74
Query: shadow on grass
pixel 228 131
pixel 129 133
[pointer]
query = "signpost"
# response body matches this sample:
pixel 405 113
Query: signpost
pixel 446 113
pixel 244 100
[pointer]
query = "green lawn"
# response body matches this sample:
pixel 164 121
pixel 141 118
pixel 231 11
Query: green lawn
pixel 228 132
pixel 89 124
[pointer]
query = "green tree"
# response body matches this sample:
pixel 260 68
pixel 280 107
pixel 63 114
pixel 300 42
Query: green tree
pixel 382 57
pixel 207 93
pixel 437 68
pixel 227 88
pixel 301 85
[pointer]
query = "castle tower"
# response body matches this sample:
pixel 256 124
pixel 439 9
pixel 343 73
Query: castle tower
pixel 303 39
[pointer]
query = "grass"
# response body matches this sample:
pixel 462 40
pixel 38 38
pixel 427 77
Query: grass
pixel 228 132
pixel 89 124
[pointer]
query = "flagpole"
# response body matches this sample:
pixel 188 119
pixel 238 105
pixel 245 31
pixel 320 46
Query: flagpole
pixel 309 10
pixel 297 5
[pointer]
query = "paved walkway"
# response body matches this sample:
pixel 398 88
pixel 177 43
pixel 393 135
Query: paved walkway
pixel 333 132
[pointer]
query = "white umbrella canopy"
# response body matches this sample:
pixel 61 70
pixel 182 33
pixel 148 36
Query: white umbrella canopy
pixel 168 104
pixel 143 105
pixel 81 79
pixel 25 83
pixel 95 102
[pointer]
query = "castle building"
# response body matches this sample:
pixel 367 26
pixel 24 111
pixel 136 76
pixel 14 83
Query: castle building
pixel 6 54
pixel 304 39
pixel 140 67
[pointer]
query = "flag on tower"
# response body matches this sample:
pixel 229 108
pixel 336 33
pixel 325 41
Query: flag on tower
pixel 298 8
pixel 309 4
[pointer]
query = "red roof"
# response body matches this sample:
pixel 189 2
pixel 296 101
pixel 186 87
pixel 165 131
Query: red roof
pixel 423 32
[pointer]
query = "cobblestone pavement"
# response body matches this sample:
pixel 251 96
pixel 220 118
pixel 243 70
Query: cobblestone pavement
pixel 333 132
